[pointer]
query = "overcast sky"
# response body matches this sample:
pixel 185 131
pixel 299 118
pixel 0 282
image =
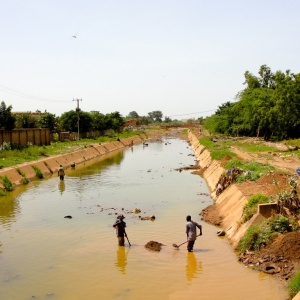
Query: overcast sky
pixel 184 58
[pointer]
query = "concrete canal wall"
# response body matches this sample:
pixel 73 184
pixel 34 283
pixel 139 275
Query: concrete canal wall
pixel 49 166
pixel 230 202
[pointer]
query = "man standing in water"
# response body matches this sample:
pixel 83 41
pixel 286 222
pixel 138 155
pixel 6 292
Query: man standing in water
pixel 120 229
pixel 191 232
pixel 61 172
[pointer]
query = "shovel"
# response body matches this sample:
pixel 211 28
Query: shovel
pixel 128 240
pixel 177 246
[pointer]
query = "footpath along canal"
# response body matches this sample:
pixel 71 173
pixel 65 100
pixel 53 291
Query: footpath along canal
pixel 44 255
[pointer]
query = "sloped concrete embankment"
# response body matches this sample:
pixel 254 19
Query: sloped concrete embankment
pixel 49 166
pixel 230 202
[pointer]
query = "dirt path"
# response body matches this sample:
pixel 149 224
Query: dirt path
pixel 285 163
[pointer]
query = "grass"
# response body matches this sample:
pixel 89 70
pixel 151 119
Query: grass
pixel 38 172
pixel 250 208
pixel 254 147
pixel 217 150
pixel 7 183
pixel 261 235
pixel 294 285
pixel 255 169
pixel 13 157
pixel 222 147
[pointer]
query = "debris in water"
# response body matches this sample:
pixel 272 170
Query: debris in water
pixel 155 246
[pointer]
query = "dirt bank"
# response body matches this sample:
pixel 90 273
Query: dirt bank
pixel 280 257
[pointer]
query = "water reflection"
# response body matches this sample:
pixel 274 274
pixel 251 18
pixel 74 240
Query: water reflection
pixel 192 266
pixel 121 261
pixel 9 208
pixel 61 186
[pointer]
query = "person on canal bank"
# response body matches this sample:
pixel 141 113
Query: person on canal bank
pixel 61 172
pixel 191 232
pixel 120 229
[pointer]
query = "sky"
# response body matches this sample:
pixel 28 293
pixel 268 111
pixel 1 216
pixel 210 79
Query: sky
pixel 183 58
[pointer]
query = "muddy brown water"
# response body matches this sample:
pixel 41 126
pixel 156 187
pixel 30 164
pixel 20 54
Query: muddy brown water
pixel 46 256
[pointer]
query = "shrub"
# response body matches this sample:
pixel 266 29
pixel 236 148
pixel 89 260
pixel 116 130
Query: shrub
pixel 2 193
pixel 38 172
pixel 7 183
pixel 294 284
pixel 24 180
pixel 5 146
pixel 248 241
pixel 250 207
pixel 259 235
pixel 279 224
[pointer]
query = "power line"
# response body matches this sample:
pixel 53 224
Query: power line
pixel 15 92
pixel 199 112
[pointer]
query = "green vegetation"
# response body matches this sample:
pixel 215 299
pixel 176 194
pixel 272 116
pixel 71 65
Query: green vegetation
pixel 267 107
pixel 217 150
pixel 14 157
pixel 263 234
pixel 250 207
pixel 253 147
pixel 7 183
pixel 294 285
pixel 24 179
pixel 38 172
pixel 254 169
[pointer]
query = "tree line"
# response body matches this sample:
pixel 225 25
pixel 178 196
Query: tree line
pixel 268 107
pixel 68 121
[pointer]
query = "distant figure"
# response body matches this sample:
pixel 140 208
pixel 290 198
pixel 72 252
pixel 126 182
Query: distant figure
pixel 73 165
pixel 61 172
pixel 120 229
pixel 191 232
pixel 118 140
pixel 298 171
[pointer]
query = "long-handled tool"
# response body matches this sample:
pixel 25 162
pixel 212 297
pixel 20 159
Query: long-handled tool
pixel 177 246
pixel 128 240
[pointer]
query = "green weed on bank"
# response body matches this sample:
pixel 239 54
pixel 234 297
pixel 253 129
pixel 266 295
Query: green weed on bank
pixel 294 285
pixel 254 169
pixel 13 157
pixel 250 208
pixel 218 150
pixel 261 235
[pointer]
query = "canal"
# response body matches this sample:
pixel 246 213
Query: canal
pixel 44 255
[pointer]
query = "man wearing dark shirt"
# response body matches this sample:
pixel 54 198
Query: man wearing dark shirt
pixel 120 229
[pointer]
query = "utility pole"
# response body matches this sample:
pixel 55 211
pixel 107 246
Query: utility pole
pixel 78 110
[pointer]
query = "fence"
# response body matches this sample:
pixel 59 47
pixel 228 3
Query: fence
pixel 23 137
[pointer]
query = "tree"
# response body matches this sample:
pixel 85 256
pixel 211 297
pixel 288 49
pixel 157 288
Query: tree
pixel 26 120
pixel 144 121
pixel 68 121
pixel 7 120
pixel 99 121
pixel 48 120
pixel 133 114
pixel 114 121
pixel 156 115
